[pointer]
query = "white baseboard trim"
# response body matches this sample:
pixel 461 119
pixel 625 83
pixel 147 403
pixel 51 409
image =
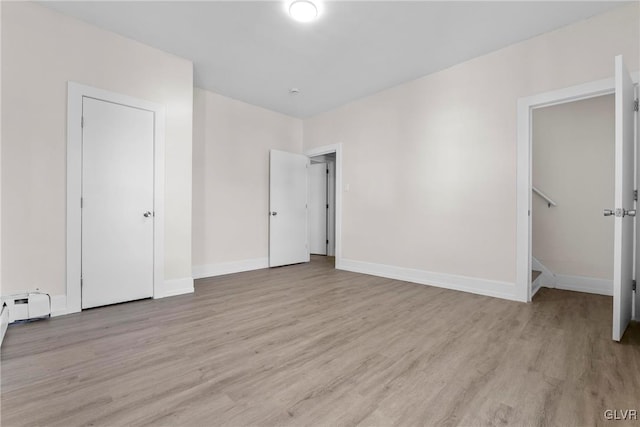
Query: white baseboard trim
pixel 59 306
pixel 584 284
pixel 174 287
pixel 590 285
pixel 492 288
pixel 221 268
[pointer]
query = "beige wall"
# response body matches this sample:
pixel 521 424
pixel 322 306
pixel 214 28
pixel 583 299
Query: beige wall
pixel 41 51
pixel 231 143
pixel 573 163
pixel 431 164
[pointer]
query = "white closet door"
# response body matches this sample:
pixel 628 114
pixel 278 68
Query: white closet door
pixel 117 211
pixel 288 209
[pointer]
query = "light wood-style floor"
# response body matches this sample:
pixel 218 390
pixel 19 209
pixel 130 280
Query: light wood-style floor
pixel 309 345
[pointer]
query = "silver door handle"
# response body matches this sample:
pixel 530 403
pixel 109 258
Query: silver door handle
pixel 630 212
pixel 147 214
pixel 608 212
pixel 274 213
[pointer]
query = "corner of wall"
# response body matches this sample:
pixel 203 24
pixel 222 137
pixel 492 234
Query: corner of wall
pixel 173 287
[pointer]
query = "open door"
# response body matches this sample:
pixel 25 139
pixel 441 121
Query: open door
pixel 288 209
pixel 624 200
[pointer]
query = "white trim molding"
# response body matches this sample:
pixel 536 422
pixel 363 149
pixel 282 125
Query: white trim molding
pixel 550 280
pixel 492 288
pixel 230 267
pixel 589 285
pixel 328 149
pixel 173 287
pixel 76 92
pixel 59 305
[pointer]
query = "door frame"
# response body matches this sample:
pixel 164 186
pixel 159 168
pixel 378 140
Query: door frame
pixel 337 149
pixel 526 105
pixel 325 206
pixel 75 93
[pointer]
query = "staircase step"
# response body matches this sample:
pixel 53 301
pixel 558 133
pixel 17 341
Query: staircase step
pixel 534 275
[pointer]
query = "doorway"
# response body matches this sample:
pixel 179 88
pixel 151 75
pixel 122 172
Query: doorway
pixel 625 256
pixel 288 205
pixel 322 205
pixel 115 192
pixel 333 157
pixel 572 181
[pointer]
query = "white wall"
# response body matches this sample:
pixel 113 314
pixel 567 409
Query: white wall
pixel 431 164
pixel 231 143
pixel 573 163
pixel 41 51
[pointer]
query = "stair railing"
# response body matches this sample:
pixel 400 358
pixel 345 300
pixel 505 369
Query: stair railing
pixel 546 198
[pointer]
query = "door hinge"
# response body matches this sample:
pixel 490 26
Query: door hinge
pixel 636 105
pixel 635 195
pixel 81 282
pixel 633 285
pixel 327 205
pixel 327 171
pixel 81 202
pixel 327 241
pixel 82 122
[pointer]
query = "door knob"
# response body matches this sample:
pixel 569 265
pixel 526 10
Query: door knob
pixel 608 212
pixel 630 212
pixel 147 214
pixel 274 213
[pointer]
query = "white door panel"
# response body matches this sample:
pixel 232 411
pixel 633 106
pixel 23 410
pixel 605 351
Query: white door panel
pixel 624 186
pixel 117 190
pixel 636 305
pixel 318 208
pixel 288 209
pixel 331 220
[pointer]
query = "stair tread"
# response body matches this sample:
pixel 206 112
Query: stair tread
pixel 534 275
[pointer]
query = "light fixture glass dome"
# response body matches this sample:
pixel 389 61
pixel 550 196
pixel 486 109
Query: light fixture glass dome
pixel 303 10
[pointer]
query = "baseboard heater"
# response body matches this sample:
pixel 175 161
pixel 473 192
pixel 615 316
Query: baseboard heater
pixel 28 306
pixel 23 308
pixel 4 321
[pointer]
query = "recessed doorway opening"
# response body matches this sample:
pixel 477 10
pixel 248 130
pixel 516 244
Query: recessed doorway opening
pixel 572 182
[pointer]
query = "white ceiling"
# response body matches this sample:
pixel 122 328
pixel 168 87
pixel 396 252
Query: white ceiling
pixel 253 51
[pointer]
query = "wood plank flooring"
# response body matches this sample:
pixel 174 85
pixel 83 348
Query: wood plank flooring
pixel 308 345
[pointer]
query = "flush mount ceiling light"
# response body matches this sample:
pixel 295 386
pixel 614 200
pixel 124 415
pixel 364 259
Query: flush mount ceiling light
pixel 303 10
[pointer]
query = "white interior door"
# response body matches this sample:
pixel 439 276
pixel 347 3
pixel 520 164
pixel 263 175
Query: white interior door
pixel 331 212
pixel 636 305
pixel 117 203
pixel 624 203
pixel 288 230
pixel 318 206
